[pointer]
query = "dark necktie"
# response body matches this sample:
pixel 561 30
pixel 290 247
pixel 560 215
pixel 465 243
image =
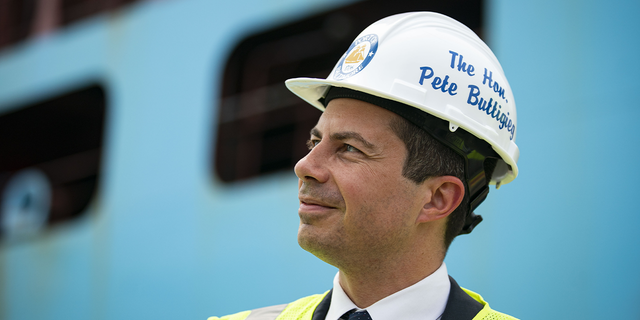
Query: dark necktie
pixel 356 315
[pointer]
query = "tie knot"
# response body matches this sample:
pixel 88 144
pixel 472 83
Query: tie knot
pixel 356 315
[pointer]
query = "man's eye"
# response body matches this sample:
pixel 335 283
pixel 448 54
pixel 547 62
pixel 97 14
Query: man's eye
pixel 350 148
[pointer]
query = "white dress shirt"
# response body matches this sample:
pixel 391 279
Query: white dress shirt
pixel 424 300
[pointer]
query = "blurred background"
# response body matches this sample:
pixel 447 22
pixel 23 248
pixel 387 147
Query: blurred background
pixel 147 147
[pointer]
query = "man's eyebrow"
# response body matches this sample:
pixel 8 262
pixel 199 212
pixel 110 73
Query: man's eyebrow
pixel 340 136
pixel 353 135
pixel 316 132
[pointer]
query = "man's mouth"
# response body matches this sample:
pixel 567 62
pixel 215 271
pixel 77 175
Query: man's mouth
pixel 310 202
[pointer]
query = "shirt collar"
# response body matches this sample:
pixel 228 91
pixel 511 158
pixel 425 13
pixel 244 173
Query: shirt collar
pixel 424 300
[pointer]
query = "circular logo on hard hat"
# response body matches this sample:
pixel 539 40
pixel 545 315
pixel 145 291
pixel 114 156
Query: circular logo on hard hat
pixel 357 57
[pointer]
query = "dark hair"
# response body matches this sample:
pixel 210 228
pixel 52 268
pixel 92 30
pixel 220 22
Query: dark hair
pixel 428 157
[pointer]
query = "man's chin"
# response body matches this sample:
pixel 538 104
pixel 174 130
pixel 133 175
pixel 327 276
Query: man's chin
pixel 305 236
pixel 316 245
pixel 308 239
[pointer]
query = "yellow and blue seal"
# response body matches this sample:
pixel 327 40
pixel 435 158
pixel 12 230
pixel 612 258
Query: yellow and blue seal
pixel 359 54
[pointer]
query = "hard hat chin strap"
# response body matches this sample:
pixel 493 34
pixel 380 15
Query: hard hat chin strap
pixel 473 149
pixel 471 220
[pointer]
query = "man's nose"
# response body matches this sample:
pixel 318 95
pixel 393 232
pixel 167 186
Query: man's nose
pixel 313 165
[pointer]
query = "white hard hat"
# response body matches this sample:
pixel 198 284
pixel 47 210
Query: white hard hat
pixel 435 65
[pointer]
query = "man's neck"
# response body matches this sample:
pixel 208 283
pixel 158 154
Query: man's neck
pixel 366 287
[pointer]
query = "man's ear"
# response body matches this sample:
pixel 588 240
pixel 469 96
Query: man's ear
pixel 446 194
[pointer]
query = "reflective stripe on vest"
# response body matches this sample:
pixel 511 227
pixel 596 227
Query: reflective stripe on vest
pixel 266 313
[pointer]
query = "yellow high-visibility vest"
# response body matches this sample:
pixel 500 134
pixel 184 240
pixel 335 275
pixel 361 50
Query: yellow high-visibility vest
pixel 302 309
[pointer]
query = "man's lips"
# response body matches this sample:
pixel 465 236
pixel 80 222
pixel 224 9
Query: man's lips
pixel 309 202
pixel 310 207
pixel 314 198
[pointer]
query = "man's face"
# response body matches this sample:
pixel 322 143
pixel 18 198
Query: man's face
pixel 355 204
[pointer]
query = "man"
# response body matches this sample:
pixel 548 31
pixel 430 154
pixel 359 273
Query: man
pixel 418 120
